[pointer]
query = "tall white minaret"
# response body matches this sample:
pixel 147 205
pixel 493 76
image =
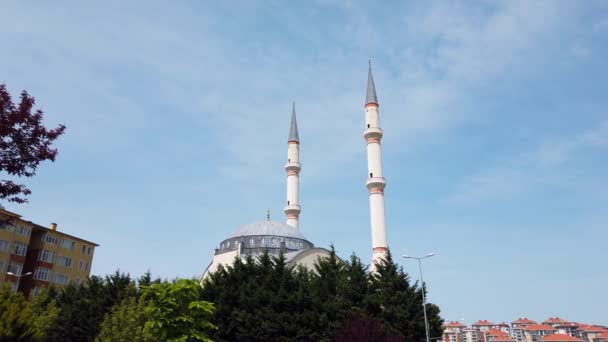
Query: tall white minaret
pixel 375 181
pixel 293 167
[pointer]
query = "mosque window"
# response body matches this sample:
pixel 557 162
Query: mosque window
pixel 287 202
pixel 274 241
pixel 301 244
pixel 251 242
pixel 228 244
pixel 367 125
pixel 371 175
pixel 263 241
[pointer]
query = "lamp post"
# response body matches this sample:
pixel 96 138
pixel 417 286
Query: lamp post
pixel 426 322
pixel 19 277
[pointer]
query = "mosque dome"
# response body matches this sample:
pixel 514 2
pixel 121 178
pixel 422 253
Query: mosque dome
pixel 268 228
pixel 257 237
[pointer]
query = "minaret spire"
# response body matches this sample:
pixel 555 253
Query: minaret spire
pixel 293 167
pixel 371 87
pixel 375 182
pixel 293 128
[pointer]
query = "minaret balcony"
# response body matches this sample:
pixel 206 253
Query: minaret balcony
pixel 293 209
pixel 376 183
pixel 290 166
pixel 373 132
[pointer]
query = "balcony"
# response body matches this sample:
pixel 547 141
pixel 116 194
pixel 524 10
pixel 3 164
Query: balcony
pixel 376 182
pixel 373 132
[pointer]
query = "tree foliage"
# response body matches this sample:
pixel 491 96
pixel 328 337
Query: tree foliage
pixel 126 323
pixel 174 312
pixel 83 307
pixel 360 328
pixel 24 143
pixel 22 319
pixel 265 299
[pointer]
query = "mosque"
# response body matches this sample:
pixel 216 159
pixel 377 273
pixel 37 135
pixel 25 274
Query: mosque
pixel 276 237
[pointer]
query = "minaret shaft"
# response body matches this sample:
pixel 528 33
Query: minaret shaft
pixel 375 179
pixel 293 167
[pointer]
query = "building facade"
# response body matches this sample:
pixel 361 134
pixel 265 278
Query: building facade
pixel 553 329
pixel 33 257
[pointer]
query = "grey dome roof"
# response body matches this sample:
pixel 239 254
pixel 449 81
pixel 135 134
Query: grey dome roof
pixel 267 227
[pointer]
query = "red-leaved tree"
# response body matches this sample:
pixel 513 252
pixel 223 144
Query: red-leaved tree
pixel 24 143
pixel 361 328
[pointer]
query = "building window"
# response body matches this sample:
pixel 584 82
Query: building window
pixel 46 255
pixel 15 268
pixel 371 175
pixel 19 248
pixel 84 249
pixel 61 279
pixel 64 261
pixel 3 245
pixel 36 291
pixel 7 227
pixel 89 250
pixel 42 273
pixel 252 242
pixel 14 287
pixel 50 238
pixel 1 266
pixel 67 244
pixel 83 265
pixel 23 231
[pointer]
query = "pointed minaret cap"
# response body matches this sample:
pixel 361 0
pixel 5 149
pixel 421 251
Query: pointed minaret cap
pixel 371 88
pixel 293 129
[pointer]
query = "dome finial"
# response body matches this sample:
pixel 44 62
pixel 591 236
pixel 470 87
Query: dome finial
pixel 267 214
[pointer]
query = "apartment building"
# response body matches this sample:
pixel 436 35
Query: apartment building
pixel 33 257
pixel 553 329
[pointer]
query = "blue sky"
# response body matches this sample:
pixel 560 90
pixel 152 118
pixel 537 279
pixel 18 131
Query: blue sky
pixel 495 147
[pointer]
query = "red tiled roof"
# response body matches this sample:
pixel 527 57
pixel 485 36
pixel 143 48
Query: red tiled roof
pixel 540 327
pixel 483 322
pixel 560 338
pixel 496 332
pixel 603 335
pixel 591 328
pixel 455 324
pixel 524 321
pixel 555 320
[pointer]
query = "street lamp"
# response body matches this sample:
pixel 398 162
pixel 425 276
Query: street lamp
pixel 19 277
pixel 426 322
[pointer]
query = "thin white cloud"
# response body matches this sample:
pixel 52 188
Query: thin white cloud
pixel 529 170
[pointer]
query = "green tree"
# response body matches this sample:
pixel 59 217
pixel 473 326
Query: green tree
pixel 125 323
pixel 83 307
pixel 398 304
pixel 175 313
pixel 22 319
pixel 266 299
pixel 327 282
